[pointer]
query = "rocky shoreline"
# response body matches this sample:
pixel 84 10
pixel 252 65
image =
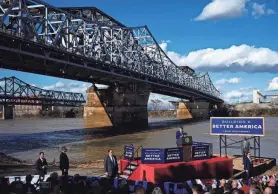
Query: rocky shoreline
pixel 98 164
pixel 8 160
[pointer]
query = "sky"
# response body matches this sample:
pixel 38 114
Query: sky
pixel 236 41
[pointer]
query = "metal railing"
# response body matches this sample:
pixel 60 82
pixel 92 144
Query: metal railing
pixel 130 159
pixel 136 152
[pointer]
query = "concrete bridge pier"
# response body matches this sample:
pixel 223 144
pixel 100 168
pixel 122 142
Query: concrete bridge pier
pixel 8 112
pixel 183 111
pixel 47 108
pixel 117 105
pixel 198 109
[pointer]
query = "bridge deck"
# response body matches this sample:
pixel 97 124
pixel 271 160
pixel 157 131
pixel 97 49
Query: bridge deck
pixel 93 50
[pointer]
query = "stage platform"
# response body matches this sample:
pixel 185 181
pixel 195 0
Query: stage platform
pixel 216 167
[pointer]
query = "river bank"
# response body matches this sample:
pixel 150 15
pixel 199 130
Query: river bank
pixel 257 110
pixel 241 110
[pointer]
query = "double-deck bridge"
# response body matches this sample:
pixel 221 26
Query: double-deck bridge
pixel 86 44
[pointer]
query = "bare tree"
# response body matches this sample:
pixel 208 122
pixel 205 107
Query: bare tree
pixel 156 104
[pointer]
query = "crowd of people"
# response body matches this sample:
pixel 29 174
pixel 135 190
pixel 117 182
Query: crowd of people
pixel 101 185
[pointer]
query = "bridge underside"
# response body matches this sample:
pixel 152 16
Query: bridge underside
pixel 19 54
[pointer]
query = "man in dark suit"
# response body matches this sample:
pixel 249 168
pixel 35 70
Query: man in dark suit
pixel 179 134
pixel 110 165
pixel 41 165
pixel 245 148
pixel 248 165
pixel 64 161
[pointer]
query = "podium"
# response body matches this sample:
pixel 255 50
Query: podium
pixel 186 142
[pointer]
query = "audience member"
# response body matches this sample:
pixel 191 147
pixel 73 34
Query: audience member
pixel 157 190
pixel 254 191
pixel 28 186
pixel 227 188
pixel 64 161
pixel 235 187
pixel 272 185
pixel 220 190
pixel 140 190
pixel 197 189
pixel 267 190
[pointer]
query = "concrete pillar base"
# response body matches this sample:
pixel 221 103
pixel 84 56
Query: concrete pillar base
pixel 117 105
pixel 199 109
pixel 183 112
pixel 8 112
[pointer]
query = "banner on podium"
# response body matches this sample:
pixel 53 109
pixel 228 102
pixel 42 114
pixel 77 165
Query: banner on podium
pixel 173 155
pixel 129 152
pixel 245 126
pixel 201 151
pixel 152 156
pixel 205 143
pixel 161 155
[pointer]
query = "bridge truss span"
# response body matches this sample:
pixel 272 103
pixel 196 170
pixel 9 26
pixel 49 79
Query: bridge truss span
pixel 106 44
pixel 16 92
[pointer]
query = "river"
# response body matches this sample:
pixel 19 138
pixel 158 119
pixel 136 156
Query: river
pixel 24 139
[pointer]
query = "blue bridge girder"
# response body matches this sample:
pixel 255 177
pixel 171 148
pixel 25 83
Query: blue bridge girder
pixel 87 45
pixel 13 91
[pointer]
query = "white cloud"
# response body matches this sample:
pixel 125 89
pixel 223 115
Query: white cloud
pixel 241 95
pixel 243 58
pixel 76 87
pixel 259 10
pixel 273 85
pixel 234 80
pixel 57 86
pixel 223 9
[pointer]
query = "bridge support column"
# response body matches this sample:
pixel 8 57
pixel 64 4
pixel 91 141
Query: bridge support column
pixel 199 109
pixel 117 105
pixel 48 108
pixel 182 111
pixel 8 112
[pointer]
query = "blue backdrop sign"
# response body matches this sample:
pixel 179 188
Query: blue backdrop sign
pixel 128 152
pixel 245 126
pixel 152 156
pixel 173 155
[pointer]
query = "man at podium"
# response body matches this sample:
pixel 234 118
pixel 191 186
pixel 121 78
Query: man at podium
pixel 180 133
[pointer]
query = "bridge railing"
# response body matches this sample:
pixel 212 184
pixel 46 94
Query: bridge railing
pixel 133 49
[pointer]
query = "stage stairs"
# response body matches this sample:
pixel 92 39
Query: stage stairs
pixel 132 164
pixel 131 167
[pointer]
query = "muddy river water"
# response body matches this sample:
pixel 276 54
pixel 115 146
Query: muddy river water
pixel 24 139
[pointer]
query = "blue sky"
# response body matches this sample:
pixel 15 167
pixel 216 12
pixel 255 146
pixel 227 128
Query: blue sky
pixel 235 41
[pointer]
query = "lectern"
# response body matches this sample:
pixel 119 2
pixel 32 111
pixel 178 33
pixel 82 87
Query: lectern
pixel 186 143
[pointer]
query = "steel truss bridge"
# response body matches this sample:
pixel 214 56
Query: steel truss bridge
pixel 86 44
pixel 16 92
